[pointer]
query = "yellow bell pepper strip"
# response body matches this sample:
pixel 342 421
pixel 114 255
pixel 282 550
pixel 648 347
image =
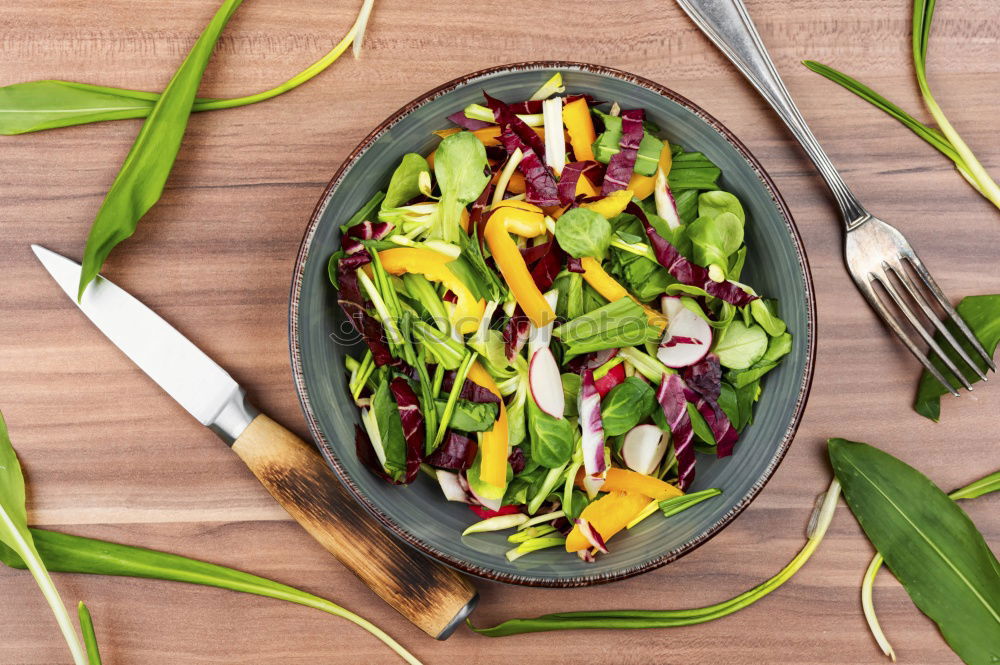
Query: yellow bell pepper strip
pixel 525 220
pixel 624 480
pixel 642 185
pixel 611 205
pixel 595 275
pixel 516 183
pixel 609 515
pixel 495 448
pixel 580 127
pixel 585 187
pixel 433 265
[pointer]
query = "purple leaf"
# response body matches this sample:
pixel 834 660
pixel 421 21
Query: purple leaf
pixel 515 333
pixel 571 175
pixel 705 379
pixel 456 452
pixel 685 271
pixel 370 230
pixel 366 453
pixel 508 119
pixel 574 264
pixel 545 270
pixel 413 425
pixel 477 214
pixel 539 184
pixel 517 460
pixel 622 163
pixel 672 400
pixel 460 119
pixel 352 303
pixel 591 427
pixel 471 391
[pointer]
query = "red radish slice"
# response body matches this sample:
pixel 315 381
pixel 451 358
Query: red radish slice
pixel 686 341
pixel 612 378
pixel 592 535
pixel 666 206
pixel 489 504
pixel 545 384
pixel 450 486
pixel 643 448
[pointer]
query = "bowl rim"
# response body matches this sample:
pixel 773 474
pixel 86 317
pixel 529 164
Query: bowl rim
pixel 398 530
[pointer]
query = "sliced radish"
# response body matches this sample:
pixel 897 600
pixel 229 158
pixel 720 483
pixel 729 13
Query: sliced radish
pixel 490 504
pixel 670 305
pixel 545 383
pixel 612 378
pixel 450 486
pixel 593 484
pixel 643 448
pixel 686 341
pixel 666 206
pixel 592 535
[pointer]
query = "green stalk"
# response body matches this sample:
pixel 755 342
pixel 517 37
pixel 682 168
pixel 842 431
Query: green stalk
pixel 449 407
pixel 632 619
pixel 985 485
pixel 552 479
pixel 89 637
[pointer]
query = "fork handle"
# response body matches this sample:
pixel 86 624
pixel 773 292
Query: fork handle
pixel 729 26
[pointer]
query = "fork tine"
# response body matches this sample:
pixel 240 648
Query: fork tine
pixel 868 290
pixel 918 267
pixel 921 300
pixel 911 317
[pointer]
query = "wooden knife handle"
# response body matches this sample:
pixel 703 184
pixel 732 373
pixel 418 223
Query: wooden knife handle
pixel 431 595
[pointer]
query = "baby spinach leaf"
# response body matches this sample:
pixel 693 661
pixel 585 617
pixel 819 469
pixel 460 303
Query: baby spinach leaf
pixel 391 430
pixel 929 543
pixel 714 239
pixel 982 314
pixel 763 312
pixel 462 172
pixel 14 534
pixel 582 232
pixel 404 184
pixel 470 416
pixel 713 204
pixel 551 438
pixel 740 346
pixel 626 405
pixel 139 183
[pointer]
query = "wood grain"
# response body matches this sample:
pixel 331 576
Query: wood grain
pixel 107 454
pixel 431 595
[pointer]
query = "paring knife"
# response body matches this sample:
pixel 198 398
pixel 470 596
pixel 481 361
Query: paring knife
pixel 435 598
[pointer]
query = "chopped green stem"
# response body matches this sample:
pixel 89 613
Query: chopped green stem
pixel 637 248
pixel 680 503
pixel 552 479
pixel 541 519
pixel 449 409
pixel 645 364
pixel 89 636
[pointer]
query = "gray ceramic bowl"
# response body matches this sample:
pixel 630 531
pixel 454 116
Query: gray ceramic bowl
pixel 776 266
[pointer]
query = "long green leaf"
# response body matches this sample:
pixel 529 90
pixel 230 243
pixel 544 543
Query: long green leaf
pixel 39 105
pixel 929 543
pixel 65 553
pixel 14 534
pixel 985 485
pixel 89 636
pixel 140 181
pixel 982 314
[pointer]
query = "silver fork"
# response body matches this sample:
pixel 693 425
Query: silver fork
pixel 875 251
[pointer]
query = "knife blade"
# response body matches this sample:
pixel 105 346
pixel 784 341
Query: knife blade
pixel 435 598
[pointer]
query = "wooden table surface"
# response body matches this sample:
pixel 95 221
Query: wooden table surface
pixel 107 454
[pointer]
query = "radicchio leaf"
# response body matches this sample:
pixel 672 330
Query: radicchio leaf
pixel 591 360
pixel 574 264
pixel 366 453
pixel 704 378
pixel 685 271
pixel 478 216
pixel 535 252
pixel 591 427
pixel 471 391
pixel 517 460
pixel 673 401
pixel 539 184
pixel 370 230
pixel 352 303
pixel 622 163
pixel 508 119
pixel 413 425
pixel 571 175
pixel 463 121
pixel 486 513
pixel 455 452
pixel 515 333
pixel 592 535
pixel 545 270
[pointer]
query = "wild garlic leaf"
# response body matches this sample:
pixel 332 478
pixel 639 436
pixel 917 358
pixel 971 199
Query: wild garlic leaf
pixel 89 636
pixel 15 535
pixel 929 543
pixel 139 183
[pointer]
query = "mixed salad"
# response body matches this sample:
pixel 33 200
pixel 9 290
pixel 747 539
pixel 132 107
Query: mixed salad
pixel 554 320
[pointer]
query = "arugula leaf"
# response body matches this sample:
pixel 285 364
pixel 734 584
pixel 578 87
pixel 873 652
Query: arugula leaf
pixel 139 183
pixel 582 232
pixel 405 182
pixel 14 534
pixel 551 438
pixel 982 314
pixel 929 543
pixel 462 172
pixel 626 405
